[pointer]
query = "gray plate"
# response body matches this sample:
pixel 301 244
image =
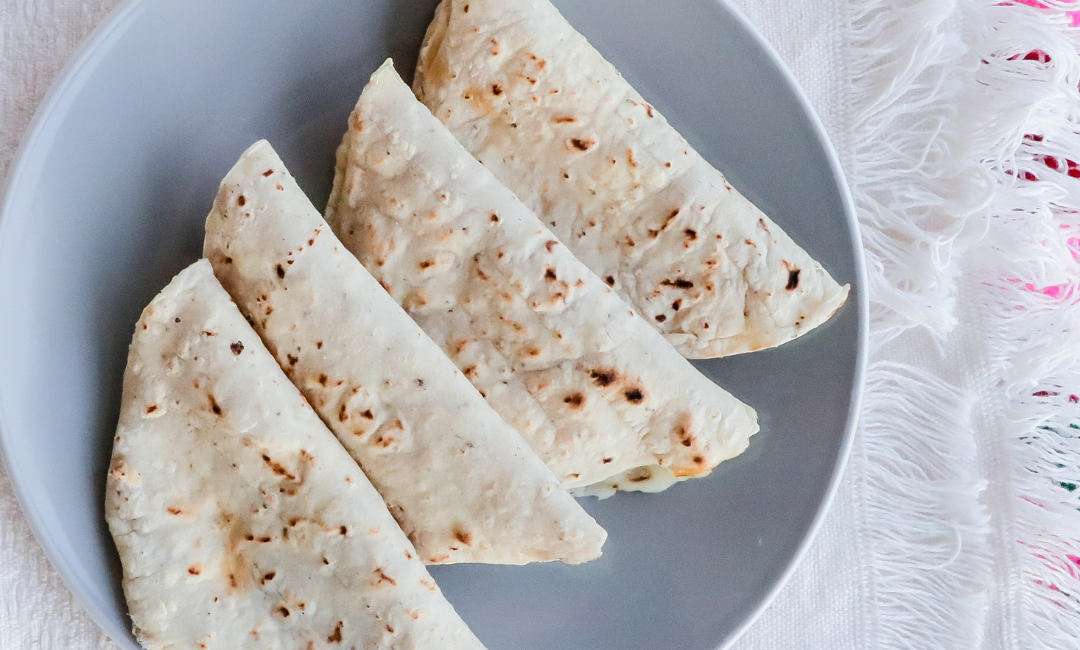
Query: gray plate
pixel 107 200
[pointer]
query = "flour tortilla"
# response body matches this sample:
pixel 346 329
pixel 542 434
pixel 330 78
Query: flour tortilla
pixel 557 124
pixel 461 482
pixel 592 387
pixel 240 520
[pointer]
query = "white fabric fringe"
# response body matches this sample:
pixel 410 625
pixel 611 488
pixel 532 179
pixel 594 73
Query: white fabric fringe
pixel 920 191
pixel 923 530
pixel 913 192
pixel 943 176
pixel 1025 282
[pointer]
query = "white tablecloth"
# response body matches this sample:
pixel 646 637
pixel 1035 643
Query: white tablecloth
pixel 955 524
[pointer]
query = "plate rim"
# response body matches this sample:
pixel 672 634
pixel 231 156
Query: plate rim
pixel 64 84
pixel 119 17
pixel 862 304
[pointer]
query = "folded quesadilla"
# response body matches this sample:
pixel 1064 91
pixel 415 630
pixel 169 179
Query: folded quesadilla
pixel 240 520
pixel 556 123
pixel 596 392
pixel 461 482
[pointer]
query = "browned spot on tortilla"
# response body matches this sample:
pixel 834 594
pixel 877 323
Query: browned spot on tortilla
pixel 607 460
pixel 699 459
pixel 240 200
pixel 194 569
pixel 750 242
pixel 385 441
pixel 389 628
pixel 336 636
pixel 268 577
pixel 382 577
pixel 277 467
pixel 292 359
pixel 667 164
pixel 690 233
pixel 368 414
pixel 463 536
pixel 549 274
pixel 427 263
pixel 466 9
pixel 496 89
pixel 268 172
pixel 228 260
pixel 610 280
pixel 323 379
pixel 678 283
pixel 604 377
pixel 581 144
pixel 649 110
pixel 214 406
pixel 150 409
pixel 284 611
pixel 550 245
pixel 174 511
pixel 280 271
pixel 494 47
pixel 660 318
pixel 676 305
pixel 634 395
pixel 494 218
pixel 344 530
pixel 278 186
pixel 575 400
pixel 793 280
pixel 564 120
pixel 670 217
